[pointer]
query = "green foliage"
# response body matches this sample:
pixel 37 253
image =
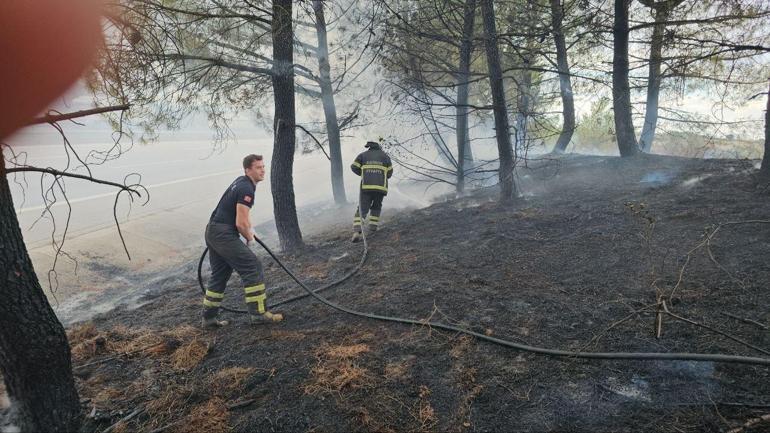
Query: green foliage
pixel 596 130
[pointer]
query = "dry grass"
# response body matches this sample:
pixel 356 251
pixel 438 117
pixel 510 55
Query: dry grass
pixel 397 371
pixel 317 271
pixel 423 412
pixel 281 334
pixel 121 427
pixel 407 263
pixel 95 380
pixel 209 417
pixel 183 332
pixel 169 406
pixel 189 355
pixel 107 397
pixel 229 380
pixel 125 340
pixel 179 348
pixel 462 346
pixel 464 408
pixel 82 332
pixel 362 416
pixel 344 352
pixel 334 378
pixel 336 370
pixel 529 212
pixel 466 376
pixel 87 342
pixel 171 399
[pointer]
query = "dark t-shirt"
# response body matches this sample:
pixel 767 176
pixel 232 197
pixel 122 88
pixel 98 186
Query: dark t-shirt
pixel 240 191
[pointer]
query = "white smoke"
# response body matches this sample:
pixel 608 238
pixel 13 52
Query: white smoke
pixel 7 413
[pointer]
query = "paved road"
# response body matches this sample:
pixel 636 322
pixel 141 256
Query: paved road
pixel 176 174
pixel 185 181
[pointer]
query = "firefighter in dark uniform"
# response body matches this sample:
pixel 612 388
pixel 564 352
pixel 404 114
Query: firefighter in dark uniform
pixel 375 169
pixel 227 252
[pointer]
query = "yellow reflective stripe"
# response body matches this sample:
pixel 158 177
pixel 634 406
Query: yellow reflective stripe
pixel 377 187
pixel 374 167
pixel 389 168
pixel 207 303
pixel 260 300
pixel 216 295
pixel 256 298
pixel 254 289
pixel 374 218
pixel 356 164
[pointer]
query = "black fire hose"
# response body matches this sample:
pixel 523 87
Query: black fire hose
pixel 645 356
pixel 293 298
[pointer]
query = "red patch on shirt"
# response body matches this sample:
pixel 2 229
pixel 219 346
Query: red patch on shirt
pixel 247 199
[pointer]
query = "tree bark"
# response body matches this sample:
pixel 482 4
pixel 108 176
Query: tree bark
pixel 621 92
pixel 653 86
pixel 502 128
pixel 524 88
pixel 764 169
pixel 565 81
pixel 524 103
pixel 281 178
pixel 464 155
pixel 662 12
pixel 34 353
pixel 330 109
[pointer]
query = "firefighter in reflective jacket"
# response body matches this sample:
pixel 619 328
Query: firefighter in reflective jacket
pixel 375 169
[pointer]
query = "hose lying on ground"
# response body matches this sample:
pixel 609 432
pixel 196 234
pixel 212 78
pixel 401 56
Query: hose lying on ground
pixel 506 343
pixel 293 298
pixel 527 348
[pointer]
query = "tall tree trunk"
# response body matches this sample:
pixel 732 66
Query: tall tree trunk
pixel 502 128
pixel 764 169
pixel 653 85
pixel 565 81
pixel 524 105
pixel 34 353
pixel 662 12
pixel 524 88
pixel 621 92
pixel 464 155
pixel 281 180
pixel 330 110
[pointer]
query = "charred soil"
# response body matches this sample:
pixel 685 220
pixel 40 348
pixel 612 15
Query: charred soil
pixel 582 261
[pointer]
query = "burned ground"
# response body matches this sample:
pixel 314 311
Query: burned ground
pixel 575 263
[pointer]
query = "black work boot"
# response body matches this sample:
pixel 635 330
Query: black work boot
pixel 210 318
pixel 257 318
pixel 356 237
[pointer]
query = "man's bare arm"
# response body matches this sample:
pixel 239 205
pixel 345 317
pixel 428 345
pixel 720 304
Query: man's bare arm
pixel 242 222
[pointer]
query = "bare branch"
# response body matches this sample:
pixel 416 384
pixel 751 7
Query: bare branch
pixel 59 117
pixel 314 139
pixel 77 176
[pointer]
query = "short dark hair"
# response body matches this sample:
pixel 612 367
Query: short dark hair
pixel 249 159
